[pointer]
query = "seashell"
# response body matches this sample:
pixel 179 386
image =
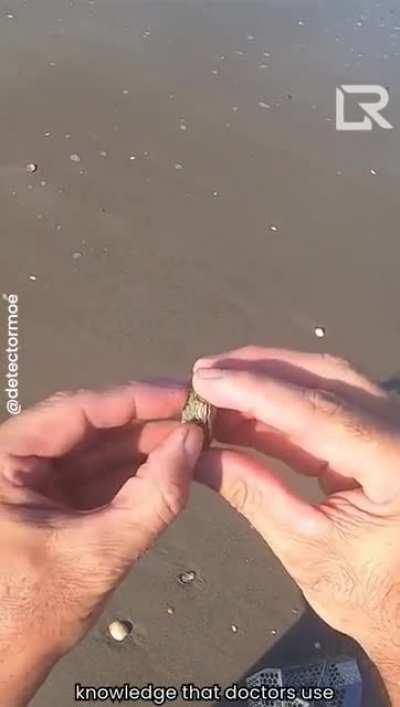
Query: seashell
pixel 201 413
pixel 119 630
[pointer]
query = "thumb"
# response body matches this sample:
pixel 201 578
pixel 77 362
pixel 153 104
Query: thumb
pixel 151 500
pixel 293 528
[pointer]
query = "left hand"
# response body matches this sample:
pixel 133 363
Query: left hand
pixel 88 481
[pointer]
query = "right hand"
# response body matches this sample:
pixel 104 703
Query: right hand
pixel 325 420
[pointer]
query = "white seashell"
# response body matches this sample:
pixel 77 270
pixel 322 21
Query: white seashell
pixel 31 167
pixel 319 332
pixel 119 630
pixel 187 577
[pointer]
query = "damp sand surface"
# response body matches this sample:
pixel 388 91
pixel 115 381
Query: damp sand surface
pixel 189 194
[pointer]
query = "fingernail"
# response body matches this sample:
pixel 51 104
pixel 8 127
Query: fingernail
pixel 201 362
pixel 193 442
pixel 163 382
pixel 208 373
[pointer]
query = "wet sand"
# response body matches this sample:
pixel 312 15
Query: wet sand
pixel 214 204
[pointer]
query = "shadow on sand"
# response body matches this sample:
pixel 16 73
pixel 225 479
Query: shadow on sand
pixel 297 647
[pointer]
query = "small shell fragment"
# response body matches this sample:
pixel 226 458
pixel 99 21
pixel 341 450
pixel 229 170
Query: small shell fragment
pixel 119 630
pixel 187 577
pixel 31 167
pixel 319 332
pixel 201 413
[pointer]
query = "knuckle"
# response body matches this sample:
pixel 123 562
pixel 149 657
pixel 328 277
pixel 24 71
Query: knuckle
pixel 330 405
pixel 57 397
pixel 337 362
pixel 244 498
pixel 252 350
pixel 172 502
pixel 323 402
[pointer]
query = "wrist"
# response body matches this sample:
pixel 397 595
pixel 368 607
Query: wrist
pixel 24 666
pixel 388 666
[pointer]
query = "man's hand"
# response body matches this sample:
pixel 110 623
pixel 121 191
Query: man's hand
pixel 324 419
pixel 87 482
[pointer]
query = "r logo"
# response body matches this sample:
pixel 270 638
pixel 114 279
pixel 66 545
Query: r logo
pixel 372 109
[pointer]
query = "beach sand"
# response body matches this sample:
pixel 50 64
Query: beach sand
pixel 213 205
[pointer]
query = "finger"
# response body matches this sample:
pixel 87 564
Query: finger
pixel 236 429
pixel 54 427
pixel 282 518
pixel 352 442
pixel 151 500
pixel 233 428
pixel 129 444
pixel 273 361
pixel 91 479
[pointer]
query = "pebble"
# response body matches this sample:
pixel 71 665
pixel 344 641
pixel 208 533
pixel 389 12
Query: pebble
pixel 178 165
pixel 170 610
pixel 33 277
pixel 216 193
pixel 319 332
pixel 132 157
pixel 183 126
pixel 10 16
pixel 187 577
pixel 317 645
pixel 373 171
pixel 77 255
pixel 74 158
pixel 119 630
pixel 273 228
pixel 274 631
pixel 234 628
pixel 263 105
pixel 47 134
pixel 31 168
